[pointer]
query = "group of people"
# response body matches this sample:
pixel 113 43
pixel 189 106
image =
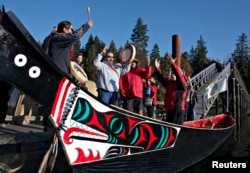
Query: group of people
pixel 180 97
pixel 122 85
pixel 116 83
pixel 129 86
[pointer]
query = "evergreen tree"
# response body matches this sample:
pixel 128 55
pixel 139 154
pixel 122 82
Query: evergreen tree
pixel 198 56
pixel 92 48
pixel 241 56
pixel 77 48
pixel 113 49
pixel 165 69
pixel 191 55
pixel 118 54
pixel 165 65
pixel 140 39
pixel 155 53
pixel 185 65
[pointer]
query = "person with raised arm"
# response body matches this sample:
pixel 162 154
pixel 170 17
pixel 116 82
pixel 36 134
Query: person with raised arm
pixel 108 76
pixel 176 90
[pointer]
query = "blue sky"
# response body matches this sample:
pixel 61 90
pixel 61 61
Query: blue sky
pixel 219 22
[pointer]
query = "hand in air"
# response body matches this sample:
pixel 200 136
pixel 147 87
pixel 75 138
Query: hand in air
pixel 104 50
pixel 148 61
pixel 171 59
pixel 90 23
pixel 157 63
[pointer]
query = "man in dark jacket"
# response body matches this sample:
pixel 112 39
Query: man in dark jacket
pixel 61 43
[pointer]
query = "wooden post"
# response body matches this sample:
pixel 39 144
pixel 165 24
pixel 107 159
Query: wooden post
pixel 234 98
pixel 176 49
pixel 238 99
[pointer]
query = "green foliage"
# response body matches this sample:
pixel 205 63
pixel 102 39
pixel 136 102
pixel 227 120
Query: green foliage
pixel 113 49
pixel 241 56
pixel 77 48
pixel 155 53
pixel 198 56
pixel 140 39
pixel 165 67
pixel 185 64
pixel 92 48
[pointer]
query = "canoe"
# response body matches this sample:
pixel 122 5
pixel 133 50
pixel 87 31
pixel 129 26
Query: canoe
pixel 97 137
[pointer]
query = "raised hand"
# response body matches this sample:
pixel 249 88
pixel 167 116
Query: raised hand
pixel 148 61
pixel 104 50
pixel 157 63
pixel 171 59
pixel 90 23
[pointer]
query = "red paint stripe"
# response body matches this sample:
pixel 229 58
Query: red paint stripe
pixel 62 102
pixel 57 96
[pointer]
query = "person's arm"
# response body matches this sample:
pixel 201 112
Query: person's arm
pixel 124 69
pixel 147 71
pixel 153 90
pixel 148 68
pixel 121 86
pixel 98 58
pixel 70 38
pixel 179 74
pixel 85 27
pixel 159 74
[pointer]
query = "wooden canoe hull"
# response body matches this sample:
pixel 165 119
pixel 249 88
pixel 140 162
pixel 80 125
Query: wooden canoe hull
pixel 98 137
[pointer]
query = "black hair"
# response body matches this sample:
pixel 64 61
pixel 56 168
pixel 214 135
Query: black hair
pixel 63 24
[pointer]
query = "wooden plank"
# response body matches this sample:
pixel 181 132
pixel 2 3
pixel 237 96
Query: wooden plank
pixel 14 134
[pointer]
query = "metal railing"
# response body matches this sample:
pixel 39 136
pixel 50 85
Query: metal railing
pixel 210 76
pixel 201 81
pixel 201 78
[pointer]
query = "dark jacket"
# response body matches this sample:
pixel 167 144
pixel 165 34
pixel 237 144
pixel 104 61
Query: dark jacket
pixel 60 45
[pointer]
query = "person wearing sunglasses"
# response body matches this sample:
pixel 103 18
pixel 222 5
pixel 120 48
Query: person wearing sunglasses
pixel 108 76
pixel 61 43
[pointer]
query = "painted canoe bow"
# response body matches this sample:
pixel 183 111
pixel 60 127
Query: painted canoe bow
pixel 96 136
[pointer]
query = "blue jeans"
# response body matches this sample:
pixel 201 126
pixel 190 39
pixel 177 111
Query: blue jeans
pixel 108 97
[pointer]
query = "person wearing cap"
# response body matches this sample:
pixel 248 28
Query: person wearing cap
pixel 131 86
pixel 150 91
pixel 108 76
pixel 176 90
